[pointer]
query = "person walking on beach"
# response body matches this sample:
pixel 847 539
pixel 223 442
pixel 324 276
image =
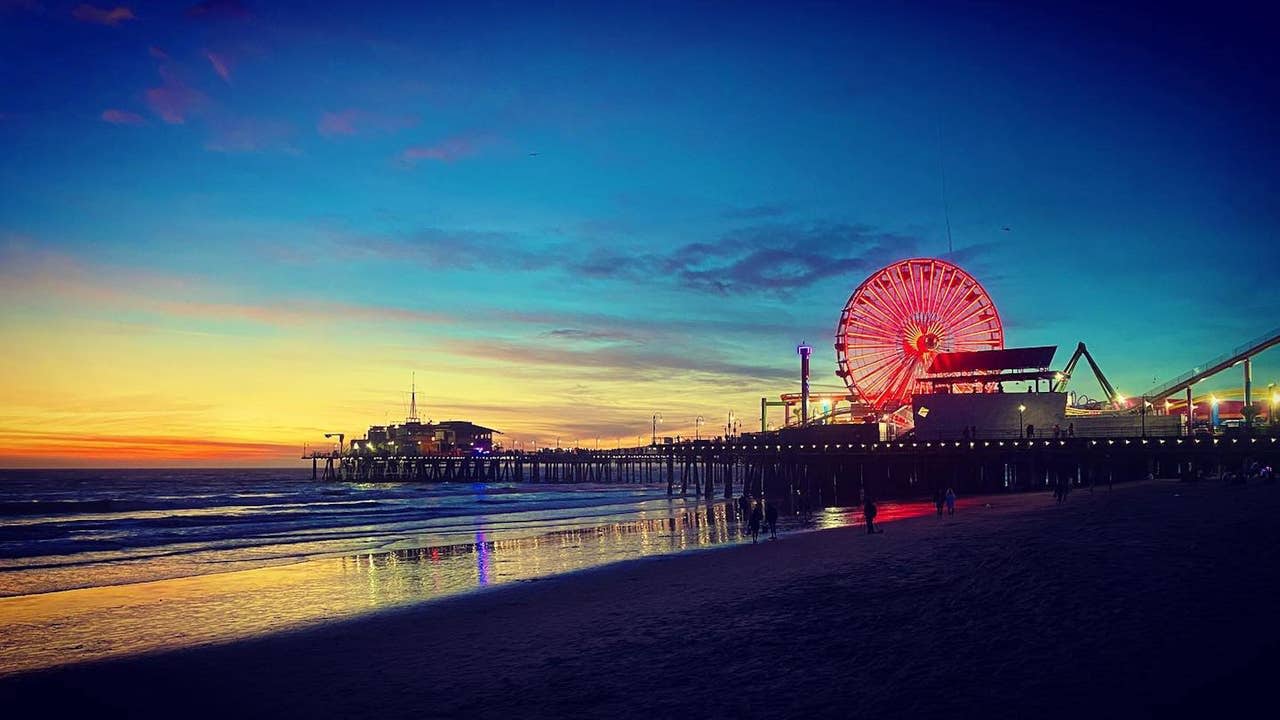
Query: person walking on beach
pixel 771 517
pixel 938 500
pixel 951 501
pixel 869 514
pixel 754 526
pixel 744 507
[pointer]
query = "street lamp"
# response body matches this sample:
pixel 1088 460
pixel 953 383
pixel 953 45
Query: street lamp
pixel 657 418
pixel 697 425
pixel 1022 429
pixel 1145 405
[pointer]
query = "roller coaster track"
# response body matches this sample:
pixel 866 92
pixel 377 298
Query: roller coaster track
pixel 1213 367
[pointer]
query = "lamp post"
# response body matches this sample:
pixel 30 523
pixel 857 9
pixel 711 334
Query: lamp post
pixel 1022 428
pixel 1271 409
pixel 657 418
pixel 697 428
pixel 1145 405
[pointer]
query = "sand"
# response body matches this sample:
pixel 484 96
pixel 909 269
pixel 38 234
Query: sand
pixel 1151 599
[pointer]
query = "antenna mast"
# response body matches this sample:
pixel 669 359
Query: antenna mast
pixel 413 400
pixel 942 179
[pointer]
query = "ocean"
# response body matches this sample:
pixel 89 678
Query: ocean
pixel 96 563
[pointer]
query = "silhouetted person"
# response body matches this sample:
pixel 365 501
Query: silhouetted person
pixel 771 517
pixel 938 499
pixel 755 524
pixel 1071 429
pixel 1057 431
pixel 951 501
pixel 869 514
pixel 1031 431
pixel 965 435
pixel 744 507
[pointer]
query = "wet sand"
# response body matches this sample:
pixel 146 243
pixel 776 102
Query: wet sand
pixel 1155 598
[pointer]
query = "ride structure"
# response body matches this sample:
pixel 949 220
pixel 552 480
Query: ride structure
pixel 900 318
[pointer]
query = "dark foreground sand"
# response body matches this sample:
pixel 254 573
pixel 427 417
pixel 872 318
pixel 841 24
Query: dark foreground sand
pixel 1152 599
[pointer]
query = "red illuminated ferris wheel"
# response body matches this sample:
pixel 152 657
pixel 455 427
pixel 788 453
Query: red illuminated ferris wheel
pixel 903 315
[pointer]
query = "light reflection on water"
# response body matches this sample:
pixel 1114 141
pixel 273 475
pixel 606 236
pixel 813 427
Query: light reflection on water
pixel 77 625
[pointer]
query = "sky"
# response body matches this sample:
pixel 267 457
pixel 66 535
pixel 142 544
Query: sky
pixel 227 228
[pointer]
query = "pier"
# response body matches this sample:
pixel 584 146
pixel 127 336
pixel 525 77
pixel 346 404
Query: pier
pixel 830 474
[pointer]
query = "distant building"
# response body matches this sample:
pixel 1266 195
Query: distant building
pixel 417 438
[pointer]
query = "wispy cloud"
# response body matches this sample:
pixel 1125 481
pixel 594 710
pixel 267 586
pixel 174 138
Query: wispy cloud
pixel 775 258
pixel 102 16
pixel 353 121
pixel 43 449
pixel 447 150
pixel 637 362
pixel 122 117
pixel 581 335
pixel 31 273
pixel 173 100
pixel 221 65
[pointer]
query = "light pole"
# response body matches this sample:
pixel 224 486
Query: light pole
pixel 1145 405
pixel 657 418
pixel 1022 429
pixel 697 428
pixel 1271 409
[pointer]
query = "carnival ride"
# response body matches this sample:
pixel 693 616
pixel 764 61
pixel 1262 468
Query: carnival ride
pixel 900 318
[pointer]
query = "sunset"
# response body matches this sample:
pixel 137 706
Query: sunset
pixel 321 317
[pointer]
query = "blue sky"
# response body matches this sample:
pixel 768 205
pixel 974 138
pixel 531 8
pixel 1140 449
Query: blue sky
pixel 585 213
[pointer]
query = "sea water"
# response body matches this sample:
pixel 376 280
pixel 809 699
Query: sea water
pixel 109 562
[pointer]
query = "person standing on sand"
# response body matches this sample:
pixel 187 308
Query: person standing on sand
pixel 754 526
pixel 771 517
pixel 869 514
pixel 938 499
pixel 951 501
pixel 744 506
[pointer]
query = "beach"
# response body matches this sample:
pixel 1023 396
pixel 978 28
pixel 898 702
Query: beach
pixel 1150 598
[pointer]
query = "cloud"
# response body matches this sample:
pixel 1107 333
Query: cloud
pixel 46 448
pixel 635 362
pixel 353 121
pixel 774 258
pixel 173 101
pixel 157 52
pixel 447 150
pixel 218 9
pixel 101 16
pixel 580 335
pixel 31 273
pixel 220 65
pixel 122 117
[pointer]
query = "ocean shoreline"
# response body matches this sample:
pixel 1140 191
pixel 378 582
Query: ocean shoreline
pixel 984 613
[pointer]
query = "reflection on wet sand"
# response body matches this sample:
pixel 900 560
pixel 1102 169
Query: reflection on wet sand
pixel 77 625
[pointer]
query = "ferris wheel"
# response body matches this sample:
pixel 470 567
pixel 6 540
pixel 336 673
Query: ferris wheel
pixel 903 315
